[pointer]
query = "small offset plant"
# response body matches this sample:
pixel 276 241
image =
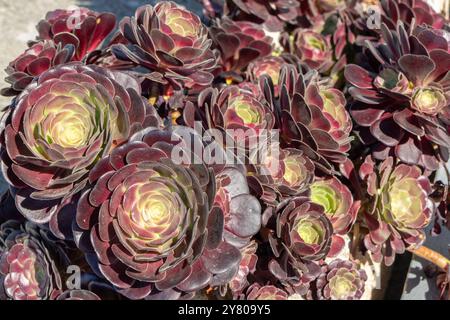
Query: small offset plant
pixel 268 150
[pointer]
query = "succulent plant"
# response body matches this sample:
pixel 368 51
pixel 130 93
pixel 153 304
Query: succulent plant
pixel 311 117
pixel 314 49
pixel 323 45
pixel 171 43
pixel 262 150
pixel 402 103
pixel 399 210
pixel 240 115
pixel 267 292
pixel 230 108
pixel 290 173
pixel 341 280
pixel 37 59
pixel 267 66
pixel 410 11
pixel 239 43
pixel 59 127
pixel 392 12
pixel 273 14
pixel 86 30
pixel 270 66
pixel 337 201
pixel 28 263
pixel 302 228
pixel 300 235
pixel 149 225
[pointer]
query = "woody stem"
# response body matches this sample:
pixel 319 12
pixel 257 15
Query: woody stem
pixel 432 256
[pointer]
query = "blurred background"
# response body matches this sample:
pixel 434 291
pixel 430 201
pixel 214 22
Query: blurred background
pixel 18 19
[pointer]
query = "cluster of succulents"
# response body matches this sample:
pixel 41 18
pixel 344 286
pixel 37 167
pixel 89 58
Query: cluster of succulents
pixel 115 147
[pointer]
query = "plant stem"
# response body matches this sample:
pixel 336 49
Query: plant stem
pixel 432 256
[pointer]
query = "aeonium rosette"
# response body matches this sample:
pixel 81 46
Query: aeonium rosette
pixel 333 106
pixel 85 29
pixel 402 98
pixel 64 35
pixel 340 280
pixel 152 225
pixel 314 49
pixel 400 208
pixel 300 236
pixel 303 228
pixel 239 43
pixel 274 15
pixel 29 262
pixel 311 116
pixel 34 61
pixel 270 66
pixel 337 201
pixel 322 46
pixel 243 110
pixel 411 12
pixel 239 113
pixel 429 100
pixel 282 173
pixel 59 127
pixel 171 43
pixel 338 204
